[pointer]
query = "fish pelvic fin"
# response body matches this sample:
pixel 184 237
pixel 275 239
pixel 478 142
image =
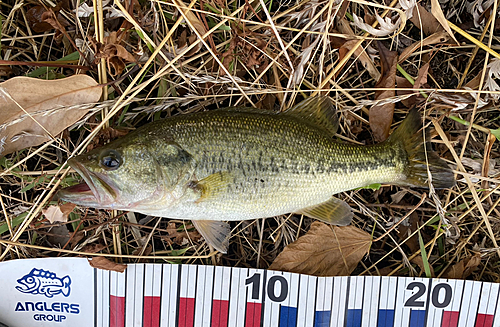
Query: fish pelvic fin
pixel 421 159
pixel 216 233
pixel 334 211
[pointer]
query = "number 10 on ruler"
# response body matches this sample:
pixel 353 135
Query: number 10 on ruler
pixel 283 299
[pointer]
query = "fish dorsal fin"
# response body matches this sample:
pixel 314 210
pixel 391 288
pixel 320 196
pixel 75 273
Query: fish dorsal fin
pixel 333 211
pixel 320 111
pixel 216 233
pixel 212 185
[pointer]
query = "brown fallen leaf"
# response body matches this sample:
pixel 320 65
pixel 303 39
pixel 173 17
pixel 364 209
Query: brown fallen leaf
pixel 438 13
pixel 405 231
pixel 105 264
pixel 58 213
pixel 35 21
pixel 190 15
pixel 26 118
pixel 403 83
pixel 419 261
pixel 116 56
pixel 360 54
pixel 464 268
pixel 438 37
pixel 381 115
pixel 425 21
pixel 105 136
pixel 421 79
pixel 180 235
pixel 325 252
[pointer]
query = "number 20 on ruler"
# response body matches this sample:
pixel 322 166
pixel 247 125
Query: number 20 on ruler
pixel 373 301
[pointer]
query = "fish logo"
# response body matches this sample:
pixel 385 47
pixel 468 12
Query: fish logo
pixel 40 281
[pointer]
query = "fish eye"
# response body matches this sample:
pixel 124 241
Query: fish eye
pixel 110 159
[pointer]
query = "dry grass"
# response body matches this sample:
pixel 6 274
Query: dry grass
pixel 203 55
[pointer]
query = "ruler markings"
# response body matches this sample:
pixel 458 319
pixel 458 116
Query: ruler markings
pixel 183 297
pixel 450 318
pixel 255 297
pixel 355 304
pixel 264 292
pixel 160 291
pixel 175 275
pixel 129 295
pixel 496 318
pixel 374 301
pixel 113 300
pixel 288 309
pixel 483 303
pixel 151 316
pixel 420 303
pixel 242 298
pixel 271 308
pixel 302 304
pixel 400 298
pixel 100 306
pixel 328 298
pixel 438 301
pixel 96 288
pixel 105 298
pixel 493 302
pixel 117 299
pixel 153 295
pixel 233 307
pixel 339 301
pixel 137 301
pixel 429 288
pixel 200 296
pixel 387 301
pixel 322 313
pixel 190 296
pixel 490 308
pixel 468 308
pixel 209 283
pixel 311 300
pixel 366 311
pixel 285 305
pixel 217 297
pixel 147 300
pixel 157 282
pixel 165 295
pixel 224 308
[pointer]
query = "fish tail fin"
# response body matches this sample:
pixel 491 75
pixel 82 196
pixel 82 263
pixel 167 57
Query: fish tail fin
pixel 421 158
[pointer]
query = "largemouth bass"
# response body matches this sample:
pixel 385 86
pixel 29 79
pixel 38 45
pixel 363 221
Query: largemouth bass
pixel 246 163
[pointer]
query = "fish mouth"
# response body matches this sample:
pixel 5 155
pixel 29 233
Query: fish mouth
pixel 97 191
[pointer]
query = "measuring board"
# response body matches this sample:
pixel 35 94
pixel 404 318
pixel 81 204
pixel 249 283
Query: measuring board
pixel 68 292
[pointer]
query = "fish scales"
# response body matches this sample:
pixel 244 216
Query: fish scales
pixel 245 163
pixel 276 161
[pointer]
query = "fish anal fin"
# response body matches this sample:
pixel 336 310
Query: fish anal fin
pixel 212 185
pixel 319 111
pixel 333 211
pixel 216 233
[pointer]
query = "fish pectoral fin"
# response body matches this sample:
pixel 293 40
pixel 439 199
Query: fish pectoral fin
pixel 212 185
pixel 333 211
pixel 320 111
pixel 216 233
